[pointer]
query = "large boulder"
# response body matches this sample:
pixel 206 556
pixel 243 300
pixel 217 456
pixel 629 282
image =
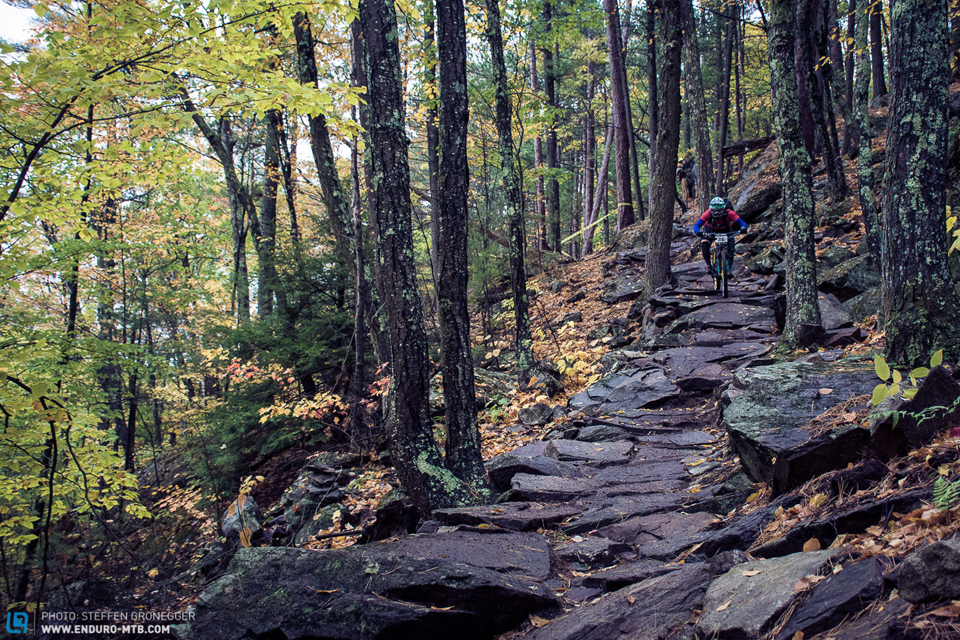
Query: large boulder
pixel 849 278
pixel 745 602
pixel 933 410
pixel 383 590
pixel 932 572
pixel 759 187
pixel 766 414
pixel 840 596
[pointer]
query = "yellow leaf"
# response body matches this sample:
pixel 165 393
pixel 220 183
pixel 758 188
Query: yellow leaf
pixel 897 378
pixel 753 496
pixel 153 573
pixel 879 394
pixel 937 359
pixel 880 366
pixel 245 537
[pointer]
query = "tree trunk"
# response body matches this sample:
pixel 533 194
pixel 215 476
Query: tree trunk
pixel 731 25
pixel 663 176
pixel 876 49
pixel 622 131
pixel 803 310
pixel 514 197
pixel 919 301
pixel 589 155
pixel 652 89
pixel 539 203
pixel 414 452
pixel 550 87
pixel 821 103
pixel 639 209
pixel 850 140
pixel 464 457
pixel 693 82
pixel 269 286
pixel 433 131
pixel 333 196
pixel 865 172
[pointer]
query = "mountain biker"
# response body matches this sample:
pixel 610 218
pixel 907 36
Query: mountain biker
pixel 719 218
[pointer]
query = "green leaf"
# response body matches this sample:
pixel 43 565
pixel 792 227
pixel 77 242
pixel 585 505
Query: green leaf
pixel 880 366
pixel 919 372
pixel 897 378
pixel 909 393
pixel 937 359
pixel 879 393
pixel 893 390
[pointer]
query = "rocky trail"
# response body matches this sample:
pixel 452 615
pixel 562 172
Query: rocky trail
pixel 635 518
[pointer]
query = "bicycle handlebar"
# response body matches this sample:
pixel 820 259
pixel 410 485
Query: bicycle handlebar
pixel 714 234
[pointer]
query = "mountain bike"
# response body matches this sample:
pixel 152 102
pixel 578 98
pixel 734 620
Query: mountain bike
pixel 721 262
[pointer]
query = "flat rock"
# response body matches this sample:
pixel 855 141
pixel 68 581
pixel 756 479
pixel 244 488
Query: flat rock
pixel 626 574
pixel 625 288
pixel 648 610
pixel 502 468
pixel 362 593
pixel 840 596
pixel 683 440
pixel 513 516
pixel 525 554
pixel 525 487
pixel 768 408
pixel 591 551
pixel 598 454
pixel 626 391
pixel 750 604
pixel 602 433
pixel 660 526
pixel 683 362
pixel 620 509
pixel 724 315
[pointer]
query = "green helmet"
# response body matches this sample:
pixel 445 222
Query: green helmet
pixel 717 204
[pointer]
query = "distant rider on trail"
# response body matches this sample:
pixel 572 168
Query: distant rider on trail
pixel 719 218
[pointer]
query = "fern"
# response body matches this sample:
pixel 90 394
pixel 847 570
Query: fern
pixel 945 493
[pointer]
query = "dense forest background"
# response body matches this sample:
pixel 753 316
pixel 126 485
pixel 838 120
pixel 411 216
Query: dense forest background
pixel 228 227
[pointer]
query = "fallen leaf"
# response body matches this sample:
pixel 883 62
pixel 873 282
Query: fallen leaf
pixel 951 611
pixel 577 539
pixel 811 545
pixel 538 622
pixel 849 416
pixel 631 598
pixel 724 605
pixel 750 573
pixel 797 636
pixel 826 392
